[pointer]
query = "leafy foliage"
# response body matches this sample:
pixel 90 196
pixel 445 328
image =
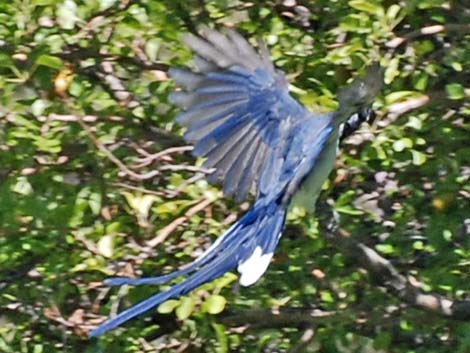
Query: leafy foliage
pixel 95 180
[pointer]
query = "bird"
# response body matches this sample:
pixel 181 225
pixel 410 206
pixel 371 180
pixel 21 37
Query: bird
pixel 259 140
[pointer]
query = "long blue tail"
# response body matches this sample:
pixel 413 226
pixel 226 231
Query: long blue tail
pixel 248 245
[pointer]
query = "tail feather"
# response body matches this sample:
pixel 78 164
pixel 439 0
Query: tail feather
pixel 248 245
pixel 204 258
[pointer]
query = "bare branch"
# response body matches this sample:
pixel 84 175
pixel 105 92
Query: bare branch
pixel 166 231
pixel 398 109
pixel 150 158
pixel 305 340
pixel 183 185
pixel 385 274
pixel 113 158
pixel 460 29
pixel 139 189
pixel 115 85
pixel 283 317
pixel 76 118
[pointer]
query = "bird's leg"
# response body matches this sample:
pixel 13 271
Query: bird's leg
pixel 334 221
pixel 328 217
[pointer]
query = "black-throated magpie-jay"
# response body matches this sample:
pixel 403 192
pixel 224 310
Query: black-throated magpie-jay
pixel 240 116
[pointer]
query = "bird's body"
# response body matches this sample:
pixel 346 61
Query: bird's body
pixel 241 118
pixel 307 193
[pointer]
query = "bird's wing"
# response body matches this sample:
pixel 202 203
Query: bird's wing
pixel 237 111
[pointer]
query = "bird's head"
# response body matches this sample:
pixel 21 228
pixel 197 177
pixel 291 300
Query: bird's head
pixel 362 91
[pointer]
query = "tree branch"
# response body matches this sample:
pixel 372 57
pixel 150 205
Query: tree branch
pixel 282 317
pixel 123 168
pixel 385 274
pixel 461 29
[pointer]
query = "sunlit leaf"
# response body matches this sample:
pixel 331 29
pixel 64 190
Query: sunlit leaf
pixel 366 6
pixel 186 308
pixel 106 245
pixel 385 248
pixel 215 304
pixel 22 186
pixel 168 306
pixel 67 14
pixel 419 158
pixel 402 144
pixel 50 61
pixel 455 91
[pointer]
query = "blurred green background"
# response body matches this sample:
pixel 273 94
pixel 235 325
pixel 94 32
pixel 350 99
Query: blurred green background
pixel 95 180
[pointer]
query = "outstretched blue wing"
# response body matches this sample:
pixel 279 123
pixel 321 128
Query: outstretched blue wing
pixel 238 112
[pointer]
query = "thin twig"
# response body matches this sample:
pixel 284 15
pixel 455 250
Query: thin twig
pixel 140 189
pixel 184 184
pixel 398 109
pixel 304 341
pixel 166 231
pixel 115 85
pixel 150 158
pixel 426 31
pixel 189 168
pixel 113 158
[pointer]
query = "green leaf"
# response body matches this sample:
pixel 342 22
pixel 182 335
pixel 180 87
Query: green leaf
pixel 414 123
pixel 225 280
pixel 94 202
pixel 38 348
pixel 402 144
pixel 168 306
pixel 392 70
pixel 44 2
pixel 104 4
pixel 38 107
pixel 455 91
pixel 67 14
pixel 349 210
pixel 106 245
pixel 399 96
pixel 393 11
pixel 326 296
pixel 428 4
pixel 50 61
pixel 385 248
pixel 170 207
pixel 186 308
pixel 22 186
pixel 152 47
pixel 366 6
pixel 457 66
pixel 419 158
pixel 5 60
pixel 28 123
pixel 47 145
pixel 215 304
pixel 222 339
pixel 420 81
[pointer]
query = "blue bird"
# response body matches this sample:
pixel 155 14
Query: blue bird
pixel 240 116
